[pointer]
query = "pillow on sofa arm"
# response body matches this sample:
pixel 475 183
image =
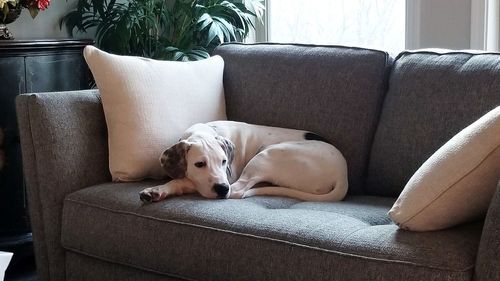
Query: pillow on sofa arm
pixel 148 104
pixel 456 183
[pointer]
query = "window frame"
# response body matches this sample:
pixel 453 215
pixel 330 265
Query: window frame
pixel 485 16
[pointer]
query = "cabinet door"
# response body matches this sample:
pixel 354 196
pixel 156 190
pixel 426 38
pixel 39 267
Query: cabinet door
pixel 12 195
pixel 56 72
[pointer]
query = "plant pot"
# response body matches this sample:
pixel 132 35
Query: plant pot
pixel 13 14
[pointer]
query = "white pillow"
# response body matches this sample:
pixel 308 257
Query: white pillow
pixel 149 103
pixel 456 183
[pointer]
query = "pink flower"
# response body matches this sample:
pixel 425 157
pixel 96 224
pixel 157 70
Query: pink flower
pixel 42 4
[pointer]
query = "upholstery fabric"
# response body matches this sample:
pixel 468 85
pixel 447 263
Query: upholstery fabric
pixel 109 234
pixel 148 104
pixel 85 268
pixel 323 89
pixel 488 260
pixel 261 237
pixel 456 183
pixel 35 205
pixel 432 96
pixel 61 154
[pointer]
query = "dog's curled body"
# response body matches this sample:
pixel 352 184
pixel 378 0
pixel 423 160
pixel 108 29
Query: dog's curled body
pixel 223 159
pixel 308 170
pixel 250 139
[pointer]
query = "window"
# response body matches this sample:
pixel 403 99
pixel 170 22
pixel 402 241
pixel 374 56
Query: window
pixel 485 19
pixel 369 23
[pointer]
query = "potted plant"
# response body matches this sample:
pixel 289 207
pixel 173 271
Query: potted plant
pixel 11 9
pixel 162 29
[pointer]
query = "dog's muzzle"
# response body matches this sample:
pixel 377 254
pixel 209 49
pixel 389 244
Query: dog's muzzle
pixel 221 189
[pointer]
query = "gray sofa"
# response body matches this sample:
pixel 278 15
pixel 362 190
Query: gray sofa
pixel 386 115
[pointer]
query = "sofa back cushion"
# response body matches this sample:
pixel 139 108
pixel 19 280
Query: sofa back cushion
pixel 333 91
pixel 432 96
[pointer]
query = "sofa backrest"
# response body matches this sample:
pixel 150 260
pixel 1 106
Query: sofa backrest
pixel 432 96
pixel 333 91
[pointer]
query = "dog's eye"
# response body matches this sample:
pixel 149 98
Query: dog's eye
pixel 200 164
pixel 224 162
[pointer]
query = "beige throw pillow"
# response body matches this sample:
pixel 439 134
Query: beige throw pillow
pixel 456 183
pixel 149 103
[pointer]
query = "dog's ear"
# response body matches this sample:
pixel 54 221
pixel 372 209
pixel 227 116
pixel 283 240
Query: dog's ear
pixel 228 147
pixel 173 160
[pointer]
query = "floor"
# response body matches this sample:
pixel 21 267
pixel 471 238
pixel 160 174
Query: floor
pixel 22 266
pixel 23 271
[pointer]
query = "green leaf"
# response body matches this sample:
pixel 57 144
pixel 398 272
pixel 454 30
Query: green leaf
pixel 33 12
pixel 256 7
pixel 215 33
pixel 178 56
pixel 171 49
pixel 204 21
pixel 227 28
pixel 198 54
pixel 179 30
pixel 5 11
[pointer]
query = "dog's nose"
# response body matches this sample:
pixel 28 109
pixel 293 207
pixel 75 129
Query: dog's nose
pixel 221 189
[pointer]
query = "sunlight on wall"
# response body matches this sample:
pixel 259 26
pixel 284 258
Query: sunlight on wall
pixel 376 24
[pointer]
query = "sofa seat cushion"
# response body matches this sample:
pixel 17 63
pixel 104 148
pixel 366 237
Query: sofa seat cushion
pixel 260 238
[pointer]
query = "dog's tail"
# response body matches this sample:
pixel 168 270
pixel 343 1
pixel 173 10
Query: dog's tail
pixel 338 193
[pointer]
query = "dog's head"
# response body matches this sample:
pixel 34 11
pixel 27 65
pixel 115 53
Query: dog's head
pixel 205 161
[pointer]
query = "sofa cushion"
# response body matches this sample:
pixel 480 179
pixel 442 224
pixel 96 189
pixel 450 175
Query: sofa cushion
pixel 260 238
pixel 432 96
pixel 148 104
pixel 81 267
pixel 324 89
pixel 456 183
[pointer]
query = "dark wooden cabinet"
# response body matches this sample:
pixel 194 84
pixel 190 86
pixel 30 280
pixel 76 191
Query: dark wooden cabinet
pixel 30 66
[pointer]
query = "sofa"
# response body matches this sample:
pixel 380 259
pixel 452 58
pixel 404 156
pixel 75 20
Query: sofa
pixel 386 115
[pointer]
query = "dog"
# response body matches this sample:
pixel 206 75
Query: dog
pixel 226 159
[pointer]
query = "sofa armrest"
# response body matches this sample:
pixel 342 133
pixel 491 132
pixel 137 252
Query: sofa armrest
pixel 488 259
pixel 64 149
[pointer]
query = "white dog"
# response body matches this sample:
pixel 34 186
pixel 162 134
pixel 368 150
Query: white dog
pixel 225 159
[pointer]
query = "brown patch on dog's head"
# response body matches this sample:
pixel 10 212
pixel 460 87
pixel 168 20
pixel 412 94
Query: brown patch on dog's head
pixel 228 147
pixel 173 160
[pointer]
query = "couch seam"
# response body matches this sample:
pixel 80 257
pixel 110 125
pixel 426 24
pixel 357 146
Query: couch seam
pixel 444 53
pixel 29 101
pixel 352 233
pixel 305 45
pixel 473 169
pixel 351 255
pixel 387 75
pixel 129 264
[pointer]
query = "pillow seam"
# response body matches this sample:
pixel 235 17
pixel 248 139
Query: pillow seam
pixel 451 185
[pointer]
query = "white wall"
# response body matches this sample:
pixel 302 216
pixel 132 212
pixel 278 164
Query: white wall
pixel 46 24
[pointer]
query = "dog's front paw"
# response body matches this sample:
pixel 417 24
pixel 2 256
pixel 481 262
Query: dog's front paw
pixel 149 195
pixel 236 195
pixel 146 196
